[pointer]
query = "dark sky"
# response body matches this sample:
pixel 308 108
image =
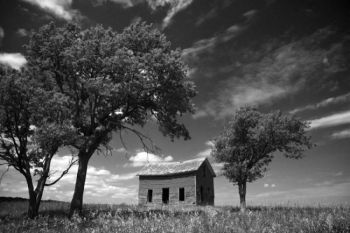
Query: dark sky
pixel 276 55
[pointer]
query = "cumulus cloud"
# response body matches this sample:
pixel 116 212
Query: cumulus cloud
pixel 332 120
pixel 101 183
pixel 341 134
pixel 206 152
pixel 60 8
pixel 142 158
pixel 217 167
pixel 324 103
pixel 14 60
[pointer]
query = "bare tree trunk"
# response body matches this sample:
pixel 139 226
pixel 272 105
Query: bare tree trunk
pixel 32 205
pixel 242 188
pixel 77 200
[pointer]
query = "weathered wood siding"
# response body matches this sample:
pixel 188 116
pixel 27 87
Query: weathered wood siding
pixel 205 180
pixel 174 183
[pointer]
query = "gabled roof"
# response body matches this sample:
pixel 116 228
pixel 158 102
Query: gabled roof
pixel 172 168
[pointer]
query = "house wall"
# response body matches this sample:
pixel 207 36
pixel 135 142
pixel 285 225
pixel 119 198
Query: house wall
pixel 157 183
pixel 205 180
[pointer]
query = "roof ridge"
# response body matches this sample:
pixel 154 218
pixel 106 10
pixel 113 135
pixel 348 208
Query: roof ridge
pixel 167 168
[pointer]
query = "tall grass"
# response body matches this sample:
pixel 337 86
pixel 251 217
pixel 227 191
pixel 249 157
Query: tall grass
pixel 124 218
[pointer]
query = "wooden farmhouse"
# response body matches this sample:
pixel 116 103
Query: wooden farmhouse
pixel 178 183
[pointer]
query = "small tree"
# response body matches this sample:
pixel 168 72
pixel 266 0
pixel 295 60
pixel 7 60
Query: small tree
pixel 113 82
pixel 249 142
pixel 32 128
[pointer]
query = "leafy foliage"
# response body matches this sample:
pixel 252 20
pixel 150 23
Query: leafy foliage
pixel 31 128
pixel 110 82
pixel 250 140
pixel 115 80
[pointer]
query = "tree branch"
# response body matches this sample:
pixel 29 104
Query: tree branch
pixel 142 138
pixel 71 163
pixel 2 175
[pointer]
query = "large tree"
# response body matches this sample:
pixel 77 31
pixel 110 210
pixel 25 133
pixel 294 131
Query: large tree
pixel 250 141
pixel 113 82
pixel 32 128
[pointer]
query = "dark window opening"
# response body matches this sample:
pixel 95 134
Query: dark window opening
pixel 181 194
pixel 204 170
pixel 165 195
pixel 149 195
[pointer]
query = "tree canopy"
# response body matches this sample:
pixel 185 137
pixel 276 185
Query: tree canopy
pixel 32 128
pixel 113 82
pixel 250 139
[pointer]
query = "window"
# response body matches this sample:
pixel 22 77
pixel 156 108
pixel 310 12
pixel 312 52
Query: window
pixel 204 170
pixel 149 195
pixel 181 194
pixel 165 195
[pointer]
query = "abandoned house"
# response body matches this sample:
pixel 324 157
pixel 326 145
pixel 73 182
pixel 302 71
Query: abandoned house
pixel 189 182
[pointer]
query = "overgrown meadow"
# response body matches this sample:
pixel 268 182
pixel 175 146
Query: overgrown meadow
pixel 125 218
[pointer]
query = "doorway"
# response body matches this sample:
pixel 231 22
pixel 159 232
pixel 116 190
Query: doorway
pixel 165 196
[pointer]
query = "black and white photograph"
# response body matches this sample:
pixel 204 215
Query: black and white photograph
pixel 176 116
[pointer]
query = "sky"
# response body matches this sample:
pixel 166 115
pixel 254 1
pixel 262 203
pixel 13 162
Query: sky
pixel 283 55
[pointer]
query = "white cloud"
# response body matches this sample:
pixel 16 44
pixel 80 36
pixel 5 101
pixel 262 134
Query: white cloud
pixel 252 94
pixel 14 60
pixel 60 8
pixel 261 77
pixel 209 143
pixel 142 158
pixel 175 7
pixel 249 14
pixel 340 173
pixel 269 185
pixel 101 184
pixel 204 153
pixel 123 3
pixel 217 167
pixel 207 151
pixel 324 103
pixel 332 120
pixel 208 44
pixel 328 193
pixel 256 93
pixel 22 32
pixel 128 176
pixel 341 134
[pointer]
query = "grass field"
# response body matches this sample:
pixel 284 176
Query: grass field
pixel 124 218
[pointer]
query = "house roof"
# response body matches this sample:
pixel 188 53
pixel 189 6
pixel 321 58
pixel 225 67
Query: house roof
pixel 171 168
